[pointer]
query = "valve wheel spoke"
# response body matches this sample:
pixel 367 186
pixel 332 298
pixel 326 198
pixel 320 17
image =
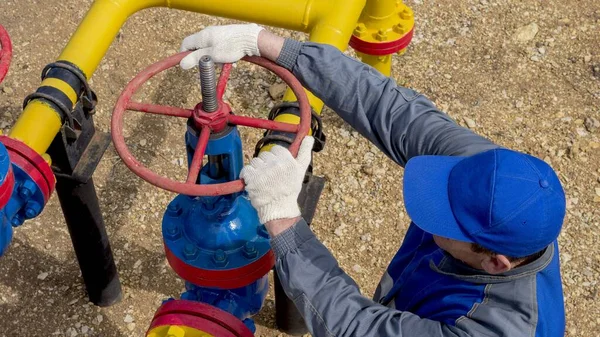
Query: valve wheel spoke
pixel 223 78
pixel 263 124
pixel 196 164
pixel 159 109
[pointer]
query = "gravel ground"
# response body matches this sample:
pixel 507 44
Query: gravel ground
pixel 526 74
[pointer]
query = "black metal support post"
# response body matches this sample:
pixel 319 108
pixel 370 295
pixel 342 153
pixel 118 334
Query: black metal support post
pixel 80 206
pixel 287 316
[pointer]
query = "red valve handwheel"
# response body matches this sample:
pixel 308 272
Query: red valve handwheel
pixel 206 123
pixel 5 52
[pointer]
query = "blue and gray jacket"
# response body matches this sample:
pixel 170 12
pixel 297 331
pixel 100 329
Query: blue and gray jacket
pixel 425 291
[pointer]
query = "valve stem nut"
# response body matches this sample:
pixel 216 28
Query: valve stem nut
pixel 250 251
pixel 220 258
pixel 190 252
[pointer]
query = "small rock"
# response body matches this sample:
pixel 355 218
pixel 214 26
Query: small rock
pixel 340 230
pixel 535 58
pixel 42 276
pixel 519 104
pixel 137 264
pixel 470 123
pixel 368 170
pixel 526 33
pixel 143 142
pixel 587 58
pixel 366 237
pixel 128 319
pixel 598 191
pixel 356 268
pixel 542 50
pixel 277 90
pixel 591 124
pixel 7 90
pixel 131 326
pixel 85 329
pixel 596 70
pixel 581 132
pixel 99 319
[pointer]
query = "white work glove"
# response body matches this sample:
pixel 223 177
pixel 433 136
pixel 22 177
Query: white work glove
pixel 274 180
pixel 224 44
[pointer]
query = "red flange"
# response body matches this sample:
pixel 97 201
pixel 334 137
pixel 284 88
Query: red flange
pixel 7 186
pixel 222 279
pixel 206 123
pixel 32 163
pixel 199 316
pixel 381 48
pixel 5 52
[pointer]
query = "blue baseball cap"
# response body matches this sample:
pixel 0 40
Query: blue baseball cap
pixel 506 201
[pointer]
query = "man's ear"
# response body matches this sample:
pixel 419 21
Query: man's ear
pixel 496 264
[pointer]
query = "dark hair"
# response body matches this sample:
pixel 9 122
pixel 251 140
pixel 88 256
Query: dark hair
pixel 477 248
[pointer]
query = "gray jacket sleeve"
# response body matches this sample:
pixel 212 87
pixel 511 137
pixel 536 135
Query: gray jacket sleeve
pixel 399 121
pixel 331 302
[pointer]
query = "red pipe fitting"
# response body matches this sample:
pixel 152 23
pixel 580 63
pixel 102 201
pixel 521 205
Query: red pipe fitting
pixel 5 52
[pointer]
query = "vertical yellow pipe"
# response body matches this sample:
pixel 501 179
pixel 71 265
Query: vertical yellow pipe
pixel 383 63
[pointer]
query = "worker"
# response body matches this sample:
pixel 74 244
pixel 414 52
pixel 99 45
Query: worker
pixel 480 257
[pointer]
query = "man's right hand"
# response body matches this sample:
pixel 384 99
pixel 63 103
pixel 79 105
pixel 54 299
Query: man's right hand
pixel 228 44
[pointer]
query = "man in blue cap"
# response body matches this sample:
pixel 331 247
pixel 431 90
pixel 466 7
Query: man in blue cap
pixel 480 257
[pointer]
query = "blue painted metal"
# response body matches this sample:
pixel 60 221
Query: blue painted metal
pixel 26 201
pixel 219 233
pixel 243 302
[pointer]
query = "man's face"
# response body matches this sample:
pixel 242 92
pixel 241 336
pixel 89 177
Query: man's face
pixel 463 251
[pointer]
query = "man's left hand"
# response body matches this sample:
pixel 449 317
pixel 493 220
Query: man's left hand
pixel 274 180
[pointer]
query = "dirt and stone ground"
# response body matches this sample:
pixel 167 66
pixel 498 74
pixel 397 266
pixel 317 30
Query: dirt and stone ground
pixel 526 74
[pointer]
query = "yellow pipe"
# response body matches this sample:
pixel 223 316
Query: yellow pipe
pixel 383 63
pixel 328 21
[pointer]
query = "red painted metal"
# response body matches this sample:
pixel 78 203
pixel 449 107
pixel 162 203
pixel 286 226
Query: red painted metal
pixel 160 109
pixel 381 48
pixel 32 163
pixel 223 78
pixel 196 164
pixel 5 52
pixel 6 188
pixel 199 316
pixel 222 279
pixel 263 124
pixel 214 122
